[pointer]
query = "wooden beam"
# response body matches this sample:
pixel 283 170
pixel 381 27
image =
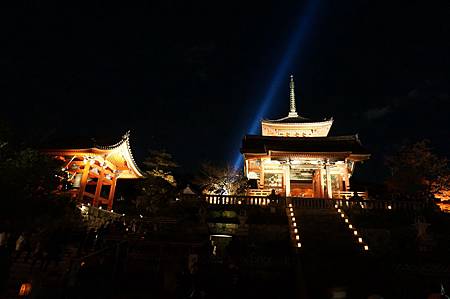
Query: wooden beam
pixel 98 189
pixel 112 190
pixel 84 178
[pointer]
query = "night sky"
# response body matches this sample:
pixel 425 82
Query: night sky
pixel 189 76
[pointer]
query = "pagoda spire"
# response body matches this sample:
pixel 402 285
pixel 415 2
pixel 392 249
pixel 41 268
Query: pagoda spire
pixel 293 110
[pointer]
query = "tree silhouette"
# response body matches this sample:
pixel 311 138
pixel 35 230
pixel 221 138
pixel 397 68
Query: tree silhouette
pixel 417 172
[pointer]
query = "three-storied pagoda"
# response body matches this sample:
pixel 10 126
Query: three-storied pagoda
pixel 92 172
pixel 295 157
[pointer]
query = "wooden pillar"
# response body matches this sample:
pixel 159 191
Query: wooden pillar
pixel 246 168
pixel 321 183
pixel 84 177
pixel 317 184
pixel 347 180
pixel 287 179
pixel 98 188
pixel 261 177
pixel 112 190
pixel 329 191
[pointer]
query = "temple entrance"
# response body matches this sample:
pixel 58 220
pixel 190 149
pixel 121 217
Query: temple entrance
pixel 301 182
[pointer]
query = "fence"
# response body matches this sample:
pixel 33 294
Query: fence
pixel 241 200
pixel 315 203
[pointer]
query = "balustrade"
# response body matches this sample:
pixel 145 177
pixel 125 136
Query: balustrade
pixel 314 203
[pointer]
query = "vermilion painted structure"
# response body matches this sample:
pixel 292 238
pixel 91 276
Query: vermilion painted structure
pixel 92 173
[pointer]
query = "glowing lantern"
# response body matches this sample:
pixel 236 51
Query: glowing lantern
pixel 25 289
pixel 346 220
pixel 360 240
pixel 295 230
pixel 291 209
pixel 294 224
pixel 339 210
pixel 293 218
pixel 299 245
pixel 355 232
pixel 292 214
pixel 342 215
pixel 389 207
pixel 336 206
pixel 366 247
pixel 297 237
pixel 290 205
pixel 350 226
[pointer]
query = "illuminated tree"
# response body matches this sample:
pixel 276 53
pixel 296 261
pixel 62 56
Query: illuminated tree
pixel 161 164
pixel 221 180
pixel 417 172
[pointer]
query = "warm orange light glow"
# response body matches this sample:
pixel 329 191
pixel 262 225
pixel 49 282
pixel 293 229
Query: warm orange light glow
pixel 360 240
pixel 299 245
pixel 366 247
pixel 346 220
pixel 342 215
pixel 295 230
pixel 339 210
pixel 290 205
pixel 25 289
pixel 336 207
pixel 355 232
pixel 389 207
pixel 239 202
pixel 297 237
pixel 350 226
pixel 291 209
pixel 294 224
pixel 293 218
pixel 292 214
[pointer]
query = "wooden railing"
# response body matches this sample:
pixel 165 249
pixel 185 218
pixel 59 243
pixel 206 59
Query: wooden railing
pixel 241 200
pixel 314 203
pixel 259 192
pixel 350 194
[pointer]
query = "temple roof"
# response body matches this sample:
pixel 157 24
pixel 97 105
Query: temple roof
pixel 255 144
pixel 119 154
pixel 294 120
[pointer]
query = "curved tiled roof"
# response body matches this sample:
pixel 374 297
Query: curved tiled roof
pixel 255 144
pixel 294 120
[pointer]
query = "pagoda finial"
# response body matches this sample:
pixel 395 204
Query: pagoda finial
pixel 293 110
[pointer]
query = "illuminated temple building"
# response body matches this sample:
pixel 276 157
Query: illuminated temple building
pixel 295 157
pixel 91 173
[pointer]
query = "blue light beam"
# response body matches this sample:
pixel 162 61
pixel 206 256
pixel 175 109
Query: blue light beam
pixel 281 72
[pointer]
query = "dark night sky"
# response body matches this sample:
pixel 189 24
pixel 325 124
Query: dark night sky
pixel 189 77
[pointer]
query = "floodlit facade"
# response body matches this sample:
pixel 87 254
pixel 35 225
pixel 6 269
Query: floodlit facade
pixel 295 157
pixel 91 174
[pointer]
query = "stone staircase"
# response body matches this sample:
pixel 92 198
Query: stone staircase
pixel 332 260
